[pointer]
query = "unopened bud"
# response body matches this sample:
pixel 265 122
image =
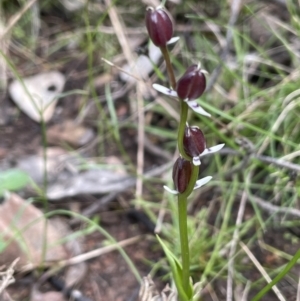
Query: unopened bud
pixel 193 141
pixel 192 84
pixel 182 171
pixel 159 25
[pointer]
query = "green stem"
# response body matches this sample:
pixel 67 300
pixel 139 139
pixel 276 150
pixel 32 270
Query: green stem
pixel 182 198
pixel 183 231
pixel 184 242
pixel 170 70
pixel 181 129
pixel 193 179
pixel 183 105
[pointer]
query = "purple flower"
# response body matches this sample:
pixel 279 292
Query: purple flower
pixel 189 87
pixel 192 84
pixel 159 25
pixel 182 171
pixel 195 145
pixel 193 141
pixel 172 93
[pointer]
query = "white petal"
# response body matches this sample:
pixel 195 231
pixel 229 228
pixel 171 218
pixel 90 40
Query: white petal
pixel 165 90
pixel 202 182
pixel 196 161
pixel 212 149
pixel 173 40
pixel 171 190
pixel 196 108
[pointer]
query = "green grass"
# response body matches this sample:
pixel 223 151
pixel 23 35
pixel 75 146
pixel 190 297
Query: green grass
pixel 243 105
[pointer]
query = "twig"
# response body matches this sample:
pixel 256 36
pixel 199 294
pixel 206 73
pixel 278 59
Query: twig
pixel 16 17
pixel 276 161
pixel 7 276
pixel 119 68
pixel 119 30
pixel 82 257
pixel 262 271
pixel 235 9
pixel 246 291
pixel 4 42
pixel 273 208
pixel 97 252
pixel 211 292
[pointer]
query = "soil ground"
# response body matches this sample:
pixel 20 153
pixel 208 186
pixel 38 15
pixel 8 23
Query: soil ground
pixel 109 277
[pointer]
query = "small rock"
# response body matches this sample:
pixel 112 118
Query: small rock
pixel 34 165
pixel 41 95
pixel 24 231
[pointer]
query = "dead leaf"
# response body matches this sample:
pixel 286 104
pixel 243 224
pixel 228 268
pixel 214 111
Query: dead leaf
pixel 66 177
pixel 93 181
pixel 34 165
pixel 69 132
pixel 22 228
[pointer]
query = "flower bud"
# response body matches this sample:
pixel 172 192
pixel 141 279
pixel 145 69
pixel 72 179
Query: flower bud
pixel 159 25
pixel 182 171
pixel 192 84
pixel 193 141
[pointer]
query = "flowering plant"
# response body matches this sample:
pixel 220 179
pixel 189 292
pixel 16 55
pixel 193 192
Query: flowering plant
pixel 190 140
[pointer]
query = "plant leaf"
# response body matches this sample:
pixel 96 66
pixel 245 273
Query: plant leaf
pixel 285 270
pixel 177 272
pixel 12 180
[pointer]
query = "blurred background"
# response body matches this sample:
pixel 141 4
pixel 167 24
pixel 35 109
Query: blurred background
pixel 86 145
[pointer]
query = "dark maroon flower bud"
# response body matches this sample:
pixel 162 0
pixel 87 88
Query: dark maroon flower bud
pixel 193 141
pixel 192 84
pixel 159 25
pixel 182 171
